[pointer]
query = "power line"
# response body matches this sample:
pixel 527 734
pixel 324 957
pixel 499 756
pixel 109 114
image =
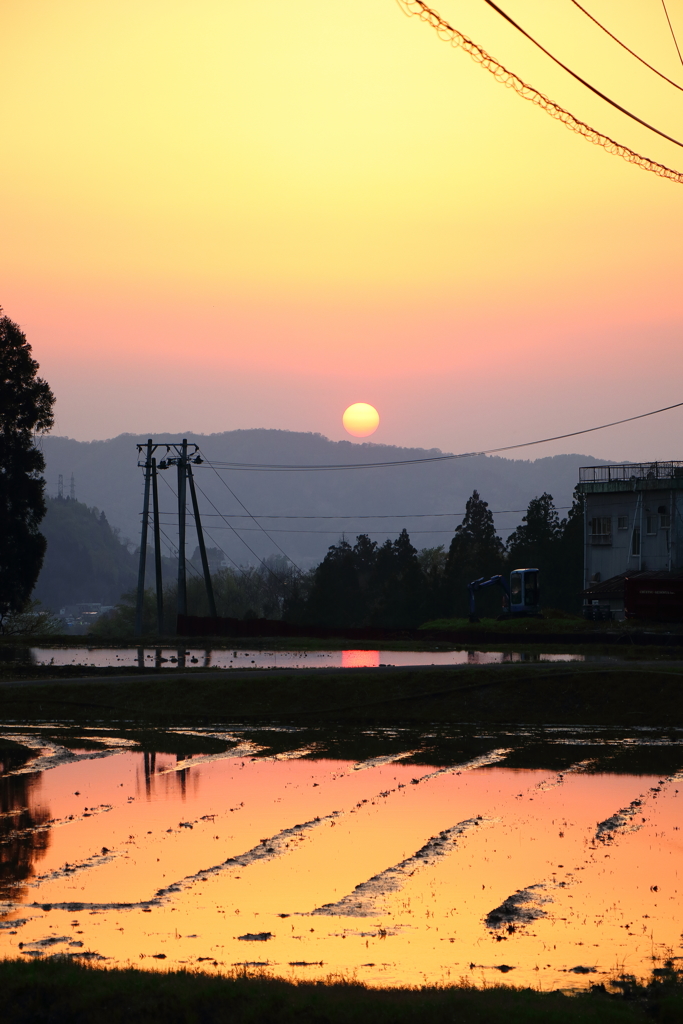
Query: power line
pixel 593 89
pixel 231 527
pixel 438 458
pixel 326 533
pixel 673 34
pixel 400 515
pixel 239 568
pixel 417 8
pixel 625 47
pixel 263 530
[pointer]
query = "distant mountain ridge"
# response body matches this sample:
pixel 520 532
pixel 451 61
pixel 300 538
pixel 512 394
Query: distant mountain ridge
pixel 107 476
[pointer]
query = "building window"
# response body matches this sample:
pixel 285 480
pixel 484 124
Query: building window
pixel 635 542
pixel 664 520
pixel 622 523
pixel 601 530
pixel 650 524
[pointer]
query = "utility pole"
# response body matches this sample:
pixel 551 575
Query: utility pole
pixel 72 488
pixel 177 454
pixel 157 550
pixel 202 546
pixel 60 486
pixel 182 502
pixel 143 541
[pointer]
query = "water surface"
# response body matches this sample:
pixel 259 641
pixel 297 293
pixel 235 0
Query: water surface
pixel 187 658
pixel 549 856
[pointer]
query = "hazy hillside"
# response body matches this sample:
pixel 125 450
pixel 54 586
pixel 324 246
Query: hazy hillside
pixel 85 561
pixel 106 476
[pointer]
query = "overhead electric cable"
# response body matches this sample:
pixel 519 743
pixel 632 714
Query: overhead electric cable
pixel 369 533
pixel 239 568
pixel 238 500
pixel 263 563
pixel 673 34
pixel 593 89
pixel 399 515
pixel 438 458
pixel 174 548
pixel 624 46
pixel 417 8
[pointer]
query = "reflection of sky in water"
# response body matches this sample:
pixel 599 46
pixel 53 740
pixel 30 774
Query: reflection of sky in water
pixel 391 871
pixel 200 658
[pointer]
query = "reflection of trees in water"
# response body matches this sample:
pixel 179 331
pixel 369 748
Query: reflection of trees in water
pixel 22 840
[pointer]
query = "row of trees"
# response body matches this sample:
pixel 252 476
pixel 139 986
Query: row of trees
pixel 250 592
pixel 390 584
pixel 394 584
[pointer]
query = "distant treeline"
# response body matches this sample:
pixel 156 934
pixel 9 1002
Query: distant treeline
pixel 394 584
pixel 251 592
pixel 390 584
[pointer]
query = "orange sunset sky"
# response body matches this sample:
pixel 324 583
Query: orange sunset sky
pixel 220 214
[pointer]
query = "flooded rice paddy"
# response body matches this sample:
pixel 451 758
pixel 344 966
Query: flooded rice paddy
pixel 548 856
pixel 116 657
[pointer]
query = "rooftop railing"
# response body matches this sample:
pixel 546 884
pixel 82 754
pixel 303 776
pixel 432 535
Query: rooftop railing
pixel 630 471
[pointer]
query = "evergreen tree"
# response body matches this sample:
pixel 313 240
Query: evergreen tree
pixel 552 547
pixel 570 562
pixel 334 597
pixel 536 539
pixel 476 550
pixel 397 585
pixel 26 403
pixel 535 544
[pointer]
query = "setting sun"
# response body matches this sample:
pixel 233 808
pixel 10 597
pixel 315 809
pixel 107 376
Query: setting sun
pixel 361 419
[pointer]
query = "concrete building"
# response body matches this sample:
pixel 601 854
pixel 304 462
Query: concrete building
pixel 633 526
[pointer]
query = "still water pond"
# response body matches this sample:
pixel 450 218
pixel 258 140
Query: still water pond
pixel 551 857
pixel 102 657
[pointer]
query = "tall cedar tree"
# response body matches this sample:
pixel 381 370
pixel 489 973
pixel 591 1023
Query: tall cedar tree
pixel 536 544
pixel 367 585
pixel 476 550
pixel 554 548
pixel 26 403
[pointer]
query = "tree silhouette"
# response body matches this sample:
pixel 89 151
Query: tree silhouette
pixel 538 532
pixel 26 403
pixel 24 830
pixel 476 550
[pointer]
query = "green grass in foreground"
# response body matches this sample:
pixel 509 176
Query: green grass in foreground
pixel 61 992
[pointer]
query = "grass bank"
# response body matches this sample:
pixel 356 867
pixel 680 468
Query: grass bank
pixel 639 694
pixel 62 992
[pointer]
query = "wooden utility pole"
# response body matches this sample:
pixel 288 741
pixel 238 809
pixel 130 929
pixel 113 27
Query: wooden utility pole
pixel 176 455
pixel 202 546
pixel 143 543
pixel 182 502
pixel 157 550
